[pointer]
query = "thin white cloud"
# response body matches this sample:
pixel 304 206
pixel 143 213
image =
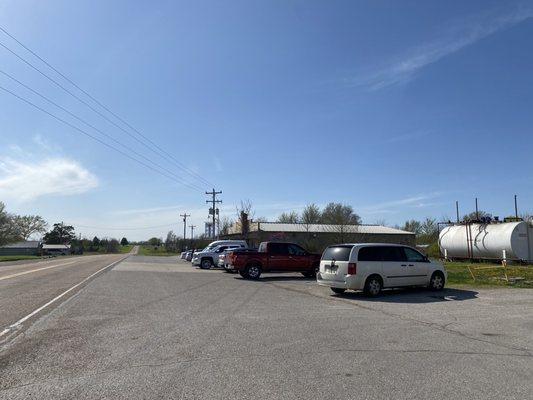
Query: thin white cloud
pixel 460 35
pixel 26 181
pixel 418 201
pixel 44 144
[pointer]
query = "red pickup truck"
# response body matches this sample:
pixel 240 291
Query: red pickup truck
pixel 274 257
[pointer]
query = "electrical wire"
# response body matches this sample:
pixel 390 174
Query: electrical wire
pixel 160 152
pixel 96 129
pixel 95 138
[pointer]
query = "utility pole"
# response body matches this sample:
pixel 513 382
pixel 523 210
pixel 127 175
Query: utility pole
pixel 192 231
pixel 185 224
pixel 184 215
pixel 212 210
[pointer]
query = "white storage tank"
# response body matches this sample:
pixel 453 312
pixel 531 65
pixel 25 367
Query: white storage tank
pixel 488 241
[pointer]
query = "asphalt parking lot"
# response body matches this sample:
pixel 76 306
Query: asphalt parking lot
pixel 154 328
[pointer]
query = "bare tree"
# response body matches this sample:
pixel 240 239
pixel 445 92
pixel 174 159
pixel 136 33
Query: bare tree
pixel 225 223
pixel 245 212
pixel 27 225
pixel 311 214
pixel 289 217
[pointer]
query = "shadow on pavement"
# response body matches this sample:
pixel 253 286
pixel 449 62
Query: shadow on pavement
pixel 412 295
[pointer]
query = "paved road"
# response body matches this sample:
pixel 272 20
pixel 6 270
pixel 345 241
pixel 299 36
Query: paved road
pixel 155 328
pixel 25 287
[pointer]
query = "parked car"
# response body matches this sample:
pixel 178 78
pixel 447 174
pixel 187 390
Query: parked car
pixel 372 267
pixel 183 255
pixel 189 255
pixel 208 257
pixel 274 257
pixel 223 259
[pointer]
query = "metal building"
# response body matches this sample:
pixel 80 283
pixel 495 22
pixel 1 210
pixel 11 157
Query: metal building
pixel 491 241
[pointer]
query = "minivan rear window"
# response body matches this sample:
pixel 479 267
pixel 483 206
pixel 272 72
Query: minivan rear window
pixel 337 253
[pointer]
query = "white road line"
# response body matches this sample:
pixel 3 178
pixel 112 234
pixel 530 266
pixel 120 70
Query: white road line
pixel 24 319
pixel 36 270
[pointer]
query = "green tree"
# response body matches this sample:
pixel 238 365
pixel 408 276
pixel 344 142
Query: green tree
pixel 113 246
pixel 60 234
pixel 124 242
pixel 154 242
pixel 96 242
pixel 339 214
pixel 7 231
pixel 473 216
pixel 289 217
pixel 413 226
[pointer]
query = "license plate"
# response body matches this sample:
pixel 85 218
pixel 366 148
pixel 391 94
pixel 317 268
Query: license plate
pixel 331 269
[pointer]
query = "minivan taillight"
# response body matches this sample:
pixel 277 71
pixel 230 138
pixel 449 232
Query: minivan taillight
pixel 352 268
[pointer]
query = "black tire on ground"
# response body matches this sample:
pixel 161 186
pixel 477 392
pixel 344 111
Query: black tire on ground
pixel 373 285
pixel 206 263
pixel 338 290
pixel 437 281
pixel 252 272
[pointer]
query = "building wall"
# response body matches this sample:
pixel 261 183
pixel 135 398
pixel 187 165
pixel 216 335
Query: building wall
pixel 22 251
pixel 317 242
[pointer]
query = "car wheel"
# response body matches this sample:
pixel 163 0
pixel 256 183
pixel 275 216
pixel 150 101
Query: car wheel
pixel 338 290
pixel 206 263
pixel 373 286
pixel 437 281
pixel 252 272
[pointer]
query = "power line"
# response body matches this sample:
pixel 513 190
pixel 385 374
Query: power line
pixel 98 130
pixel 94 137
pixel 123 229
pixel 159 150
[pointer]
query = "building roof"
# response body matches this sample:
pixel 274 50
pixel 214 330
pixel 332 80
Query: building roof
pixel 28 244
pixel 56 246
pixel 320 228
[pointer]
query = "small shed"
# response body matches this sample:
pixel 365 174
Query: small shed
pixel 56 249
pixel 24 248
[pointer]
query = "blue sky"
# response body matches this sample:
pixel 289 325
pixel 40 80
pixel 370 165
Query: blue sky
pixel 397 108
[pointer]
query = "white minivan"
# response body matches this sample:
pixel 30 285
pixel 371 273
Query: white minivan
pixel 373 266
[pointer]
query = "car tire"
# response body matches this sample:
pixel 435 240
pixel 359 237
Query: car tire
pixel 252 272
pixel 206 263
pixel 337 290
pixel 373 286
pixel 437 281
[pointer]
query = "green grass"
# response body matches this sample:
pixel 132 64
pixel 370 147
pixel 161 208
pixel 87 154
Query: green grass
pixel 459 274
pixel 126 249
pixel 17 258
pixel 155 251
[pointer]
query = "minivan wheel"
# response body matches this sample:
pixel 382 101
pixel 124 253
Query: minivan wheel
pixel 338 290
pixel 252 272
pixel 437 281
pixel 373 286
pixel 206 263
